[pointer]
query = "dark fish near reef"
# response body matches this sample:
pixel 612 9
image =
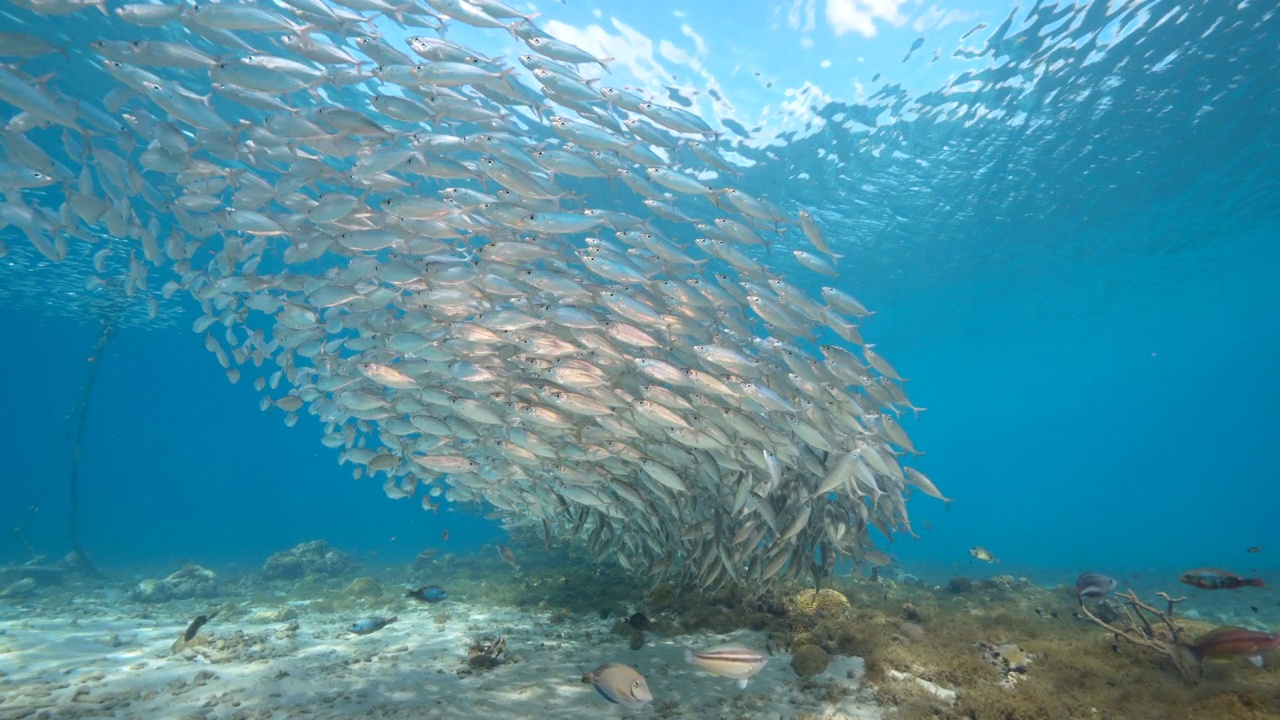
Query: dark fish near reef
pixel 196 624
pixel 1091 585
pixel 370 625
pixel 619 684
pixel 1227 642
pixel 428 594
pixel 1214 579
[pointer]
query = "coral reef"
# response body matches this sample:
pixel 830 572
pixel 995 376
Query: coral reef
pixel 311 559
pixel 1027 653
pixel 190 581
pixel 809 660
pixel 485 654
pixel 362 588
pixel 1146 626
pixel 25 586
pixel 151 591
pixel 239 646
pixel 281 614
pixel 807 608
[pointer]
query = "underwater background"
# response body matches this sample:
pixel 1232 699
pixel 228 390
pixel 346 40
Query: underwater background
pixel 1065 218
pixel 1084 298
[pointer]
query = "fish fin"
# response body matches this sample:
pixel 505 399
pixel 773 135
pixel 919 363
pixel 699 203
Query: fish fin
pixel 689 657
pixel 743 683
pixel 1188 656
pixel 1256 660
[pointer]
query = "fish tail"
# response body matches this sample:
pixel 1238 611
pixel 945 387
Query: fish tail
pixel 1255 582
pixel 1189 657
pixel 392 619
pixel 689 655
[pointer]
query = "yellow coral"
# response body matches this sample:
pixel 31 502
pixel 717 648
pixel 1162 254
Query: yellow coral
pixel 807 608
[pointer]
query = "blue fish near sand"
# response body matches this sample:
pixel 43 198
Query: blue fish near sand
pixel 370 625
pixel 428 594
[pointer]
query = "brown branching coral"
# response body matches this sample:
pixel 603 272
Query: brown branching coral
pixel 1149 627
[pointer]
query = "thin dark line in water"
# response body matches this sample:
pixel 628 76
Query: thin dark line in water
pixel 105 332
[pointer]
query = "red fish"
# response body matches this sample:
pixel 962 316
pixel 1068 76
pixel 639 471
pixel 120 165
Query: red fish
pixel 1214 579
pixel 1228 642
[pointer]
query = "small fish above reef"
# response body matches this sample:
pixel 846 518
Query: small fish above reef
pixel 1225 643
pixel 1214 579
pixel 731 661
pixel 370 625
pixel 1255 549
pixel 877 557
pixel 509 557
pixel 619 684
pixel 983 554
pixel 1092 585
pixel 428 594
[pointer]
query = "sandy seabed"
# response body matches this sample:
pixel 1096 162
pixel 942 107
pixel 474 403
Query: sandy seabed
pixel 103 663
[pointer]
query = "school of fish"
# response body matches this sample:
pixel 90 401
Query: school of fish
pixel 492 281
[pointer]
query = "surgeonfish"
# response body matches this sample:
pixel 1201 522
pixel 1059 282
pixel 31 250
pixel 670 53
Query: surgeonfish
pixel 619 684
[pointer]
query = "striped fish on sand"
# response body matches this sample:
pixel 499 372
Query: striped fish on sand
pixel 732 661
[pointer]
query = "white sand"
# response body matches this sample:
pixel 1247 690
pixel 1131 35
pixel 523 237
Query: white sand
pixel 120 666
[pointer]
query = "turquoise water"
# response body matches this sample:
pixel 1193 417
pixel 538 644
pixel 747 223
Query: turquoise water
pixel 1065 224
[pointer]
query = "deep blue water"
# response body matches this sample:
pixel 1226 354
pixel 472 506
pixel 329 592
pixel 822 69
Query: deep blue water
pixel 1081 288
